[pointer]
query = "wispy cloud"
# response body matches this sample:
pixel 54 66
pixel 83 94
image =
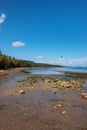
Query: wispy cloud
pixel 72 62
pixel 40 57
pixel 18 44
pixel 2 18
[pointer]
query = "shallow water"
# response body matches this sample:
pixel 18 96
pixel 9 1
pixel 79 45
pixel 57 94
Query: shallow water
pixel 56 70
pixel 10 81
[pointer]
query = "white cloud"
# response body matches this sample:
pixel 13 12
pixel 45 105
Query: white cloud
pixel 2 18
pixel 72 62
pixel 40 57
pixel 18 44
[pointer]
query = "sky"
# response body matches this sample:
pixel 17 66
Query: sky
pixel 46 31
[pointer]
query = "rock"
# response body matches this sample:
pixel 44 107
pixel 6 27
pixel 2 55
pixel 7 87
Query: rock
pixel 84 94
pixel 55 86
pixel 59 105
pixel 55 80
pixel 48 81
pixel 64 112
pixel 55 92
pixel 21 92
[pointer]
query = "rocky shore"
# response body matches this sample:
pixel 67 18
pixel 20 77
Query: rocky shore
pixel 29 102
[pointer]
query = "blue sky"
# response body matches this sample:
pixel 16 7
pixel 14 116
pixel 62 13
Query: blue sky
pixel 50 31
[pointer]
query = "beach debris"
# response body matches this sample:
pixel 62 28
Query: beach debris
pixel 64 112
pixel 21 92
pixel 84 94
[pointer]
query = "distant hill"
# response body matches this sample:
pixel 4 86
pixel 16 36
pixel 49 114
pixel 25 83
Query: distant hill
pixel 11 62
pixel 47 65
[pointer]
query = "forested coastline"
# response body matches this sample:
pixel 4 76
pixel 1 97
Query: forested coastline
pixel 7 62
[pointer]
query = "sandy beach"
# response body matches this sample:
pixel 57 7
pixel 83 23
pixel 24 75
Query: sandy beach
pixel 42 105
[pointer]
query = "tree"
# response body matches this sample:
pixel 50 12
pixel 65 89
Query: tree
pixel 0 52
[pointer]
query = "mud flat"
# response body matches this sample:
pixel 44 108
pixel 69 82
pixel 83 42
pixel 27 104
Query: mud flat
pixel 35 102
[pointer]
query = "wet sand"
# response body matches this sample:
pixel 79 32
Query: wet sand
pixel 42 107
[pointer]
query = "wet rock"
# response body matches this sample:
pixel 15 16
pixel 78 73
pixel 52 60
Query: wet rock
pixel 81 81
pixel 56 80
pixel 21 92
pixel 3 106
pixel 84 95
pixel 55 86
pixel 19 81
pixel 48 81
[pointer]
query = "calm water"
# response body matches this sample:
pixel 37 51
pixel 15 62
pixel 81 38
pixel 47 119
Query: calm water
pixel 55 70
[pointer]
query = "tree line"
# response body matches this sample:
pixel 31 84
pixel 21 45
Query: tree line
pixel 11 62
pixel 7 62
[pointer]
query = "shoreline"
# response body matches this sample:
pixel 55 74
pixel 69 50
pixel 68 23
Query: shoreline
pixel 43 105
